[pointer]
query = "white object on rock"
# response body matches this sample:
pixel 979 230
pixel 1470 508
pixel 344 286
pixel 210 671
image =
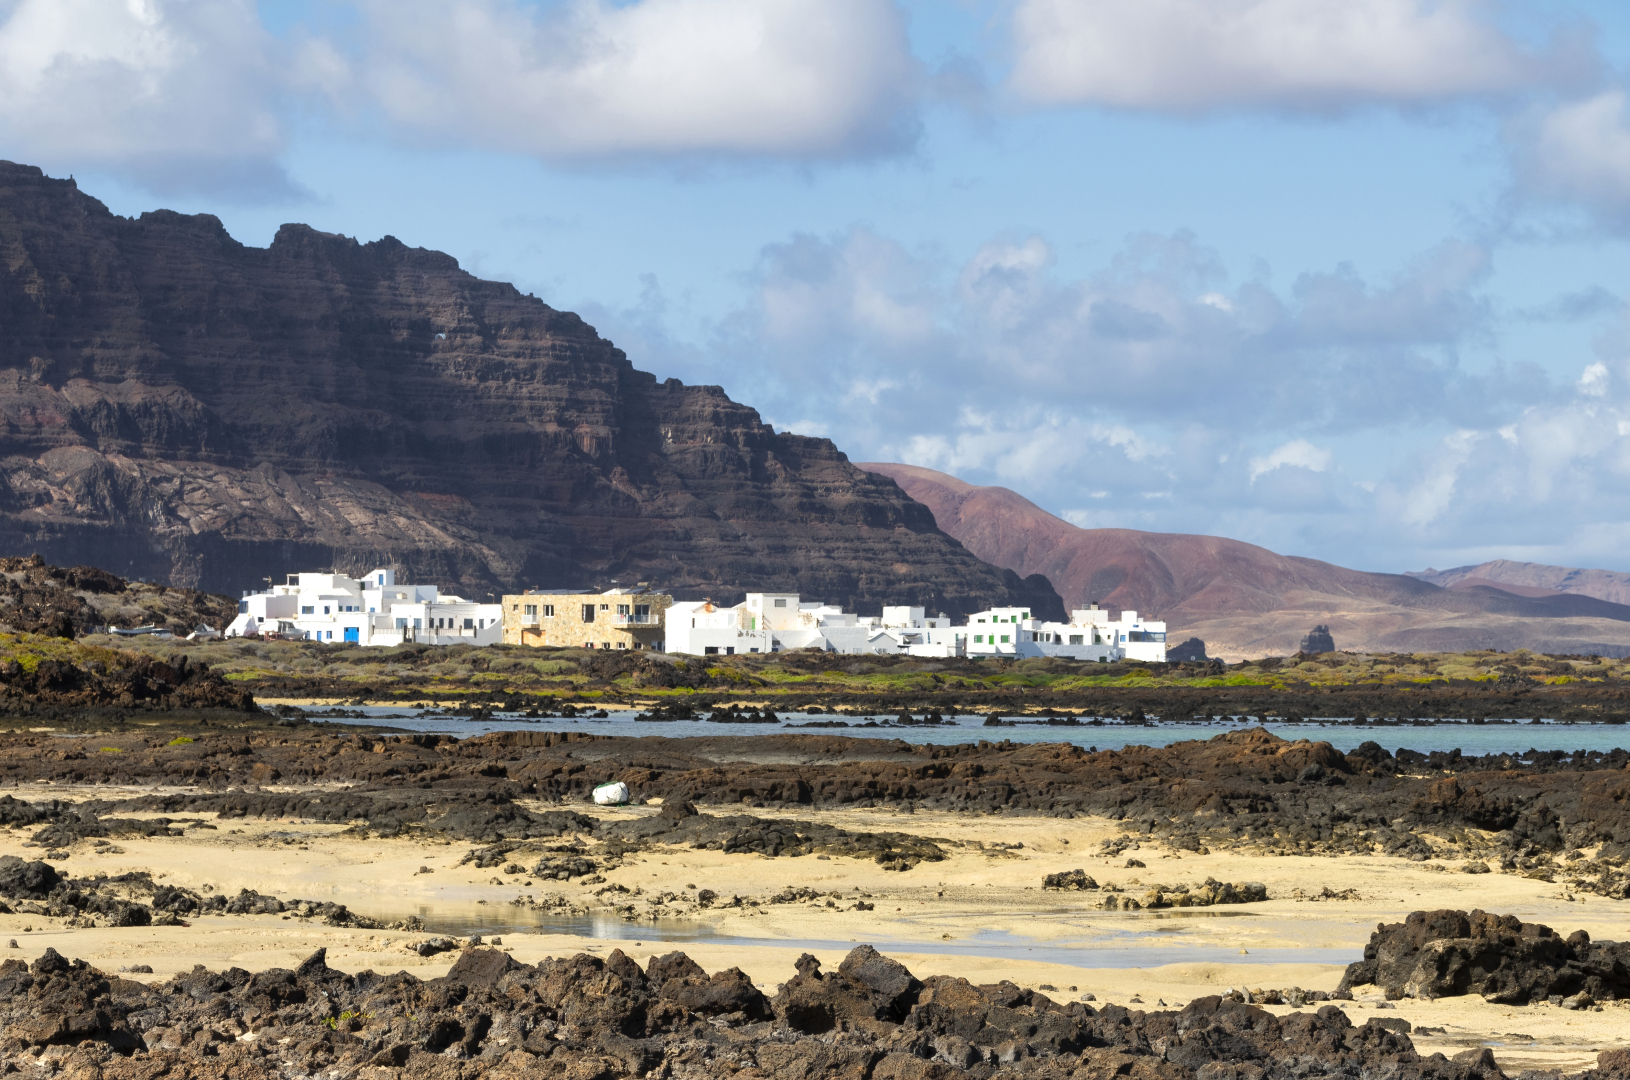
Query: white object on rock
pixel 613 794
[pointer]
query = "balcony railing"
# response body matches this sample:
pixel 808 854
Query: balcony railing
pixel 633 620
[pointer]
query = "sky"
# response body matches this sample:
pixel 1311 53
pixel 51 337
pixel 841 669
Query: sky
pixel 1344 279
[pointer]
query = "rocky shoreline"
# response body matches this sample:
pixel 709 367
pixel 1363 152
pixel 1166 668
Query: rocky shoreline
pixel 784 836
pixel 1247 788
pixel 1551 816
pixel 588 1018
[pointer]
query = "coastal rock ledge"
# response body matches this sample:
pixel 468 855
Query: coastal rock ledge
pixel 587 1018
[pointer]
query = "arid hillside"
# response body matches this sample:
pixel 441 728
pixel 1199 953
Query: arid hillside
pixel 1247 601
pixel 1534 579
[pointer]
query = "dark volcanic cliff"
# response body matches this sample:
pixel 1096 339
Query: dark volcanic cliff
pixel 178 405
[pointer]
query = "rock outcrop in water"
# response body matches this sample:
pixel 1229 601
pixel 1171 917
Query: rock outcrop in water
pixel 591 1019
pixel 177 405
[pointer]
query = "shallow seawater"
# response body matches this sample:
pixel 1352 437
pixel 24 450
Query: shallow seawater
pixel 1106 949
pixel 1472 739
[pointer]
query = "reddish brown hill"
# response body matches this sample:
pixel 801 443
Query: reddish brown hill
pixel 1245 600
pixel 1531 579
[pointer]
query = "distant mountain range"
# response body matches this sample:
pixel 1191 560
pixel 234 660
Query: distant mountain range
pixel 1247 601
pixel 1534 579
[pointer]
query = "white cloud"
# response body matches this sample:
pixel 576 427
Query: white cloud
pixel 1339 417
pixel 797 78
pixel 1193 55
pixel 1298 453
pixel 176 94
pixel 1577 152
pixel 1594 380
pixel 1150 336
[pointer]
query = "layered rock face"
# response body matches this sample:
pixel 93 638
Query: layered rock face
pixel 177 405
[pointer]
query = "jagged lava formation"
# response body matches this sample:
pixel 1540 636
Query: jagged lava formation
pixel 65 602
pixel 585 1018
pixel 177 405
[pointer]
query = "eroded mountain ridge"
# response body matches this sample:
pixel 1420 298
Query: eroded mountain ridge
pixel 178 405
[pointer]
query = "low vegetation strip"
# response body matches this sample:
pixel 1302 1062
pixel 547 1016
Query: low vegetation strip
pixel 1484 685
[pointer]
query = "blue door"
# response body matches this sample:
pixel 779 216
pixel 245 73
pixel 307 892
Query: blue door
pixel 351 633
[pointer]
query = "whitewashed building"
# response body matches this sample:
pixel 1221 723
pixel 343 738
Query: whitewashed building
pixel 779 622
pixel 1137 638
pixel 1089 635
pixel 371 610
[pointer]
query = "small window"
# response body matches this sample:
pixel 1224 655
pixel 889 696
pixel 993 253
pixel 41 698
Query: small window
pixel 622 609
pixel 1075 639
pixel 243 607
pixel 778 603
pixel 730 650
pixel 308 610
pixel 605 644
pixel 588 612
pixel 752 650
pixel 1004 639
pixel 327 610
pixel 469 624
pixel 517 607
pixel 642 613
pixel 548 611
pixel 710 650
pixel 979 639
pixel 605 607
pixel 531 611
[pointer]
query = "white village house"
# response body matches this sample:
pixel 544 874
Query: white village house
pixel 376 610
pixel 778 622
pixel 1089 635
pixel 371 610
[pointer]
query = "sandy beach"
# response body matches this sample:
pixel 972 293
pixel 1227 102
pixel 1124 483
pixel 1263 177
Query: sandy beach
pixel 986 894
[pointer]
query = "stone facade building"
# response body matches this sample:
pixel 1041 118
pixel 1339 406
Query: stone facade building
pixel 631 619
